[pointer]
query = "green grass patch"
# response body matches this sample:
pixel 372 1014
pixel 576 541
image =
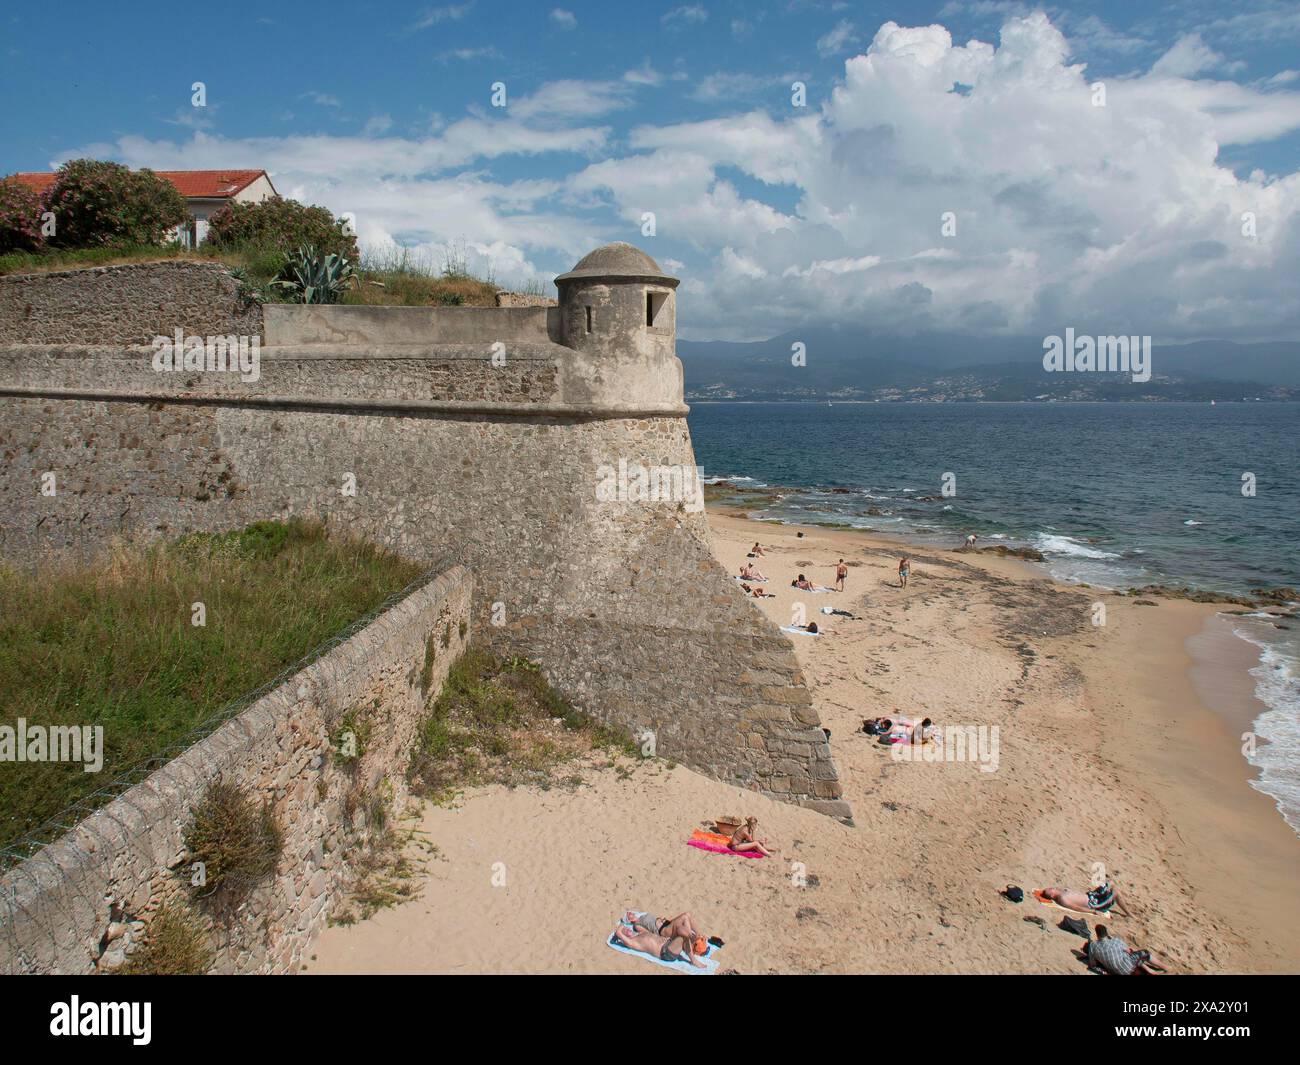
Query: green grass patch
pixel 111 643
pixel 392 278
pixel 499 721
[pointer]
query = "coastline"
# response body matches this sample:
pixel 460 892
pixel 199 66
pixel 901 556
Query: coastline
pixel 1107 755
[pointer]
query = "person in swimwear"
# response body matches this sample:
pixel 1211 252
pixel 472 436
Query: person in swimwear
pixel 904 571
pixel 683 925
pixel 803 582
pixel 1096 900
pixel 841 571
pixel 749 573
pixel 756 551
pixel 743 839
pixel 669 948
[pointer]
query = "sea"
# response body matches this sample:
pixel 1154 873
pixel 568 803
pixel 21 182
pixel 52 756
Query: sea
pixel 1114 495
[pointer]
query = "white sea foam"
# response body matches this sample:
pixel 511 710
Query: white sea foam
pixel 1051 544
pixel 1277 686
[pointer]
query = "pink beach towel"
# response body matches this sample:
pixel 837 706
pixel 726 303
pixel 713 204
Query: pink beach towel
pixel 716 844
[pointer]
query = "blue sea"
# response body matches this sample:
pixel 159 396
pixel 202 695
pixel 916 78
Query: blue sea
pixel 1113 494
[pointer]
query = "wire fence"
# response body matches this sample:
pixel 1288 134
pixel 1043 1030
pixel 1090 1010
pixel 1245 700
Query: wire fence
pixel 55 893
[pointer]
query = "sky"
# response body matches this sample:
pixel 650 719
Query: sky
pixel 974 166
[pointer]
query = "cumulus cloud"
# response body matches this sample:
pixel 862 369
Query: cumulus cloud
pixel 1065 212
pixel 971 187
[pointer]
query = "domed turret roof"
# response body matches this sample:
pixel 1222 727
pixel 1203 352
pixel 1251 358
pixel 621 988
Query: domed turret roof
pixel 618 262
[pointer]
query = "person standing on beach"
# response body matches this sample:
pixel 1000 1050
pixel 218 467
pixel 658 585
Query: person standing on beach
pixel 904 571
pixel 841 571
pixel 970 540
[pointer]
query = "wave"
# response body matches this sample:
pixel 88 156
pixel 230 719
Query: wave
pixel 1052 544
pixel 1277 686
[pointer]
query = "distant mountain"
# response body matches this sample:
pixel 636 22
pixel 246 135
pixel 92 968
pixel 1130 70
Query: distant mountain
pixel 861 365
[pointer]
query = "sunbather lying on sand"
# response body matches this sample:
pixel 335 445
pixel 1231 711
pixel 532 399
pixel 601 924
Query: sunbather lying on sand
pixel 806 585
pixel 1112 955
pixel 748 572
pixel 669 948
pixel 681 925
pixel 743 839
pixel 757 593
pixel 894 730
pixel 1097 900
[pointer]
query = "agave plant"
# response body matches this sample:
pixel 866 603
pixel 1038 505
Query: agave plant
pixel 316 278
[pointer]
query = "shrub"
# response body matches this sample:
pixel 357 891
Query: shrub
pixel 284 225
pixel 102 204
pixel 20 218
pixel 238 842
pixel 175 945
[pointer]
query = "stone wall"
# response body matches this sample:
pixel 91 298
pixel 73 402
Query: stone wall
pixel 524 299
pixel 124 862
pixel 426 446
pixel 128 304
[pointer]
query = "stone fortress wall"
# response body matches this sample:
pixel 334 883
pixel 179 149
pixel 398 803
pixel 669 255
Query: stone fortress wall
pixel 427 429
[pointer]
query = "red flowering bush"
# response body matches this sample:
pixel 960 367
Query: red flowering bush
pixel 285 225
pixel 102 204
pixel 20 218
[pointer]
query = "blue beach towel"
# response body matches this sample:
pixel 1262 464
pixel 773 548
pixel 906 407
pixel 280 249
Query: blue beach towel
pixel 709 959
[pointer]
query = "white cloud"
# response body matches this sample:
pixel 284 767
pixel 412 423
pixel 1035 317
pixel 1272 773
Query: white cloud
pixel 837 39
pixel 433 16
pixel 1117 217
pixel 1114 219
pixel 564 19
pixel 1190 56
pixel 690 14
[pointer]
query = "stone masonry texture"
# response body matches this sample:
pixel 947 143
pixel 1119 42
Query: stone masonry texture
pixel 498 462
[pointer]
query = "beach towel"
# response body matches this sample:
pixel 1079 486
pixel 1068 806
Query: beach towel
pixel 801 632
pixel 715 843
pixel 708 958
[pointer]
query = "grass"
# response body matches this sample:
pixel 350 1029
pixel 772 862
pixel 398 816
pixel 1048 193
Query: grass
pixel 111 643
pixel 499 721
pixel 175 945
pixel 388 873
pixel 389 277
pixel 237 841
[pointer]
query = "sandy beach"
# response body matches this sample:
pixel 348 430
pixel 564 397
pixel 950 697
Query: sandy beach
pixel 1106 753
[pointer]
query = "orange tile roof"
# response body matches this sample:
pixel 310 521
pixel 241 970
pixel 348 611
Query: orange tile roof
pixel 192 184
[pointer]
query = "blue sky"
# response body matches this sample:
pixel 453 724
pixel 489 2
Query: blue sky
pixel 1126 217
